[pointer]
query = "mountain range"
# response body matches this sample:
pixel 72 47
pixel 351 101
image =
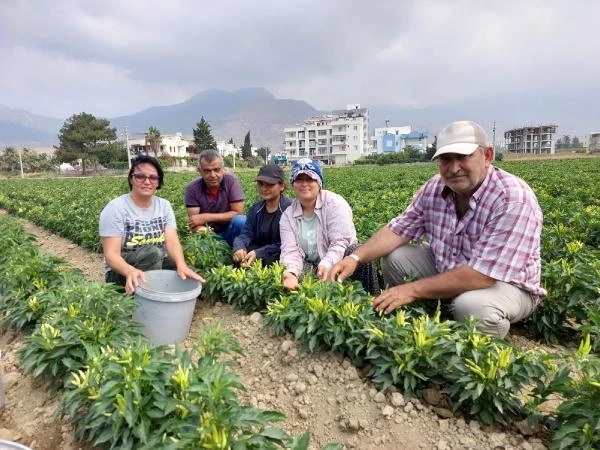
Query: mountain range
pixel 232 114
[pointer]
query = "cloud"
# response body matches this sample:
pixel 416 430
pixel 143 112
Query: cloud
pixel 112 57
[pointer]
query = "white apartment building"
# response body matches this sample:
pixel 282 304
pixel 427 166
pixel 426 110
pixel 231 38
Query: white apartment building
pixel 227 149
pixel 591 141
pixel 337 138
pixel 174 145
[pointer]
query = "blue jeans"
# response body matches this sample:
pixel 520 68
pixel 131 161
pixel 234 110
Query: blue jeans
pixel 234 229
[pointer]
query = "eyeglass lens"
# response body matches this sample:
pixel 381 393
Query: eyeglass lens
pixel 141 178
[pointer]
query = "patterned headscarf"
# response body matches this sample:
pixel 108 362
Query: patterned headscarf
pixel 308 166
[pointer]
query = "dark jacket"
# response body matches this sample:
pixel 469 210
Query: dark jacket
pixel 246 239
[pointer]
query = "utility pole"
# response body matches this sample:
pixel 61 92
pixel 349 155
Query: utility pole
pixel 494 139
pixel 127 146
pixel 21 162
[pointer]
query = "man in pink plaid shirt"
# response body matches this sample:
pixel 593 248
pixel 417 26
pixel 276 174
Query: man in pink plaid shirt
pixel 482 230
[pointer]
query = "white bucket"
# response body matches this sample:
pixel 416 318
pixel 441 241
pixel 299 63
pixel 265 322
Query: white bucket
pixel 166 306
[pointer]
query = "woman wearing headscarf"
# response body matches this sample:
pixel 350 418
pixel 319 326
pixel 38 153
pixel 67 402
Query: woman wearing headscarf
pixel 317 229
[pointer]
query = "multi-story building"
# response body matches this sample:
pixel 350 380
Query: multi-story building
pixel 591 141
pixel 337 138
pixel 174 145
pixel 227 149
pixel 531 139
pixel 396 139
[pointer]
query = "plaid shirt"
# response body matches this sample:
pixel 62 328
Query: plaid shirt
pixel 499 236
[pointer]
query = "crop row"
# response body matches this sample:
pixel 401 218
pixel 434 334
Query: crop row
pixel 117 389
pixel 482 377
pixel 568 191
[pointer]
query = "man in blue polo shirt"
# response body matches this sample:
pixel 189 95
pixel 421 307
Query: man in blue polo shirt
pixel 216 199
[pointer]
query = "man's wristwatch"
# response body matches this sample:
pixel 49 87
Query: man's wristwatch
pixel 354 257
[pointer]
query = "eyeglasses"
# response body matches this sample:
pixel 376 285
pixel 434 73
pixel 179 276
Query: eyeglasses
pixel 141 178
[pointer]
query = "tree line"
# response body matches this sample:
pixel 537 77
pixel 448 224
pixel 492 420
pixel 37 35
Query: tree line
pixel 566 142
pixel 91 141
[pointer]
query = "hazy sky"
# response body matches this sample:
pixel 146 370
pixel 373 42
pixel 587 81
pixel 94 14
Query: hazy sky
pixel 117 57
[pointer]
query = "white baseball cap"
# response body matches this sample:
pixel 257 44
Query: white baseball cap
pixel 462 137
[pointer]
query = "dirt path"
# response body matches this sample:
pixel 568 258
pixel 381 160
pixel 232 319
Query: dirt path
pixel 321 392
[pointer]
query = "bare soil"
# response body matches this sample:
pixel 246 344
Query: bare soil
pixel 321 392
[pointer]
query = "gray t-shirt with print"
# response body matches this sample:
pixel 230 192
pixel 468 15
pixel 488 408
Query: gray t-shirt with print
pixel 136 226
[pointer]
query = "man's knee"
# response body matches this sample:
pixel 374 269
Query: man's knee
pixel 407 262
pixel 491 319
pixel 238 222
pixel 236 226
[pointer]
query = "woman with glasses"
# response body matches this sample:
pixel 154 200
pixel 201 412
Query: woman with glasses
pixel 317 230
pixel 138 230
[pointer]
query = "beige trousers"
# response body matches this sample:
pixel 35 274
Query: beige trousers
pixel 495 307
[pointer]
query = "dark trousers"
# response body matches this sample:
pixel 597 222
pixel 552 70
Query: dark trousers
pixel 365 273
pixel 144 258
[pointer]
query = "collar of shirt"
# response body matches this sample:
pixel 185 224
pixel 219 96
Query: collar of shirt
pixel 476 197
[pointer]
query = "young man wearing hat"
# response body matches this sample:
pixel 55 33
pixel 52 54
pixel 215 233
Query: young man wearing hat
pixel 259 238
pixel 483 229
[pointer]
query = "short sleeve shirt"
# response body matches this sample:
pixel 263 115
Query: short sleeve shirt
pixel 498 236
pixel 137 227
pixel 230 191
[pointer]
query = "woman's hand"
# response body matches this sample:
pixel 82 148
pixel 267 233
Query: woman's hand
pixel 249 259
pixel 290 281
pixel 322 272
pixel 133 279
pixel 239 255
pixel 185 272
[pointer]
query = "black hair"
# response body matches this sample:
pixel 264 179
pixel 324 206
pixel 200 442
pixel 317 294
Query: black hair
pixel 146 159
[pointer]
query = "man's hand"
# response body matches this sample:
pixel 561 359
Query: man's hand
pixel 322 272
pixel 239 255
pixel 290 281
pixel 393 297
pixel 133 279
pixel 343 269
pixel 197 221
pixel 248 259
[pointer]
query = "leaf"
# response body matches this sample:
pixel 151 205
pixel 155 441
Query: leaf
pixel 301 443
pixel 275 434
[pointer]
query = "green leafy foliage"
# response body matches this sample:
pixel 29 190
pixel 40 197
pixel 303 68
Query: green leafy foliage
pixel 203 138
pixel 205 249
pixel 83 136
pixel 78 316
pixel 445 354
pixel 576 421
pixel 122 392
pixel 248 289
pixel 141 396
pixel 490 376
pixel 411 350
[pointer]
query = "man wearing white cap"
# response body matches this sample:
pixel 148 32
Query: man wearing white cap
pixel 482 227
